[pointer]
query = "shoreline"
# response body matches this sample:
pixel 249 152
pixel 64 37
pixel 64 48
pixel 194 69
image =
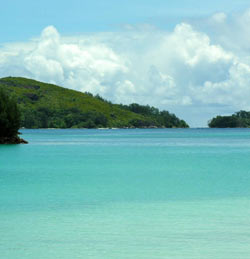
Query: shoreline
pixel 108 128
pixel 12 140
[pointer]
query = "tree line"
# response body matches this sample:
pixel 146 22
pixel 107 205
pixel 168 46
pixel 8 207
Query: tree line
pixel 240 119
pixel 155 117
pixel 10 117
pixel 10 120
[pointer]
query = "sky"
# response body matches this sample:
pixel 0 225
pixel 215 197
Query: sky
pixel 186 56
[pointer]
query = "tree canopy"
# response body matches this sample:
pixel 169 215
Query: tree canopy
pixel 239 119
pixel 9 116
pixel 154 117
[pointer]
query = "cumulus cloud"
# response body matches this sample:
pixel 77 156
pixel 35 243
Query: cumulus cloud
pixel 192 69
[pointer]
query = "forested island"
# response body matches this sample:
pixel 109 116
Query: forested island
pixel 45 105
pixel 239 119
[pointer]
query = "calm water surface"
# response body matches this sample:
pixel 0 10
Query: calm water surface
pixel 160 193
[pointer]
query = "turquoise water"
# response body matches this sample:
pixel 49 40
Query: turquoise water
pixel 153 193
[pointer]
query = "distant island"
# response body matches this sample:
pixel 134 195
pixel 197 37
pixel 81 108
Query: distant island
pixel 9 120
pixel 45 105
pixel 239 119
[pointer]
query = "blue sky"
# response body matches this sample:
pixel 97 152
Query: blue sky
pixel 189 57
pixel 22 20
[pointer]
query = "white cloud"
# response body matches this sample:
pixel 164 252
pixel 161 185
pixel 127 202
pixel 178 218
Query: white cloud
pixel 219 18
pixel 186 70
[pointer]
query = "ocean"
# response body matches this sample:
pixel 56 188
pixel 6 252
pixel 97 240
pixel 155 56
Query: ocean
pixel 126 193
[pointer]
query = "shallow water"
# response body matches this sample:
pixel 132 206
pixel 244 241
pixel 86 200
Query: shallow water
pixel 153 193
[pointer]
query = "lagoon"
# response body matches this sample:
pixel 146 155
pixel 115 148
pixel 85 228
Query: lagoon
pixel 126 193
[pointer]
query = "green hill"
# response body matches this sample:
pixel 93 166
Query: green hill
pixel 45 105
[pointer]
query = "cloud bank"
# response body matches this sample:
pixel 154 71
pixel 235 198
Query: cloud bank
pixel 197 70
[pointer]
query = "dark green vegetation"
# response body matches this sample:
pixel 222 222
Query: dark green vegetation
pixel 9 120
pixel 154 117
pixel 49 106
pixel 239 119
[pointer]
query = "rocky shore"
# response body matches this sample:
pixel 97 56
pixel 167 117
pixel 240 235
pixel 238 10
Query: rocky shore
pixel 13 140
